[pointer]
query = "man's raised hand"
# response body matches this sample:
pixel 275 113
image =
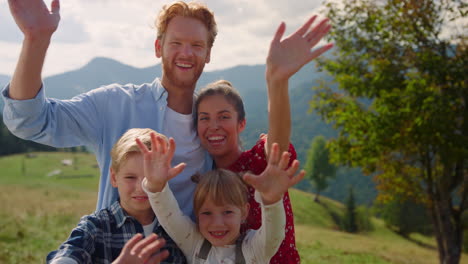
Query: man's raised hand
pixel 33 17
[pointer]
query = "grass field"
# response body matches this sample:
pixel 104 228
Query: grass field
pixel 39 211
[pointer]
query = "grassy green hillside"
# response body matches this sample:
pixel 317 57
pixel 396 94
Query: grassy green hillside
pixel 38 211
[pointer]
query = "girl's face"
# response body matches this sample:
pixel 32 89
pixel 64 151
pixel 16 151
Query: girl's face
pixel 220 225
pixel 218 127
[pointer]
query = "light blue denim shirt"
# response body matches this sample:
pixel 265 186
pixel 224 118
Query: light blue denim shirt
pixel 97 119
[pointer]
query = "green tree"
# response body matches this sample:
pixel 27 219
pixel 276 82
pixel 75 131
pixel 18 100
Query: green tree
pixel 318 166
pixel 401 108
pixel 405 217
pixel 350 217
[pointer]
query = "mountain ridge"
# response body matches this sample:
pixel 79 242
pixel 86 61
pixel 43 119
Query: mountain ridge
pixel 248 80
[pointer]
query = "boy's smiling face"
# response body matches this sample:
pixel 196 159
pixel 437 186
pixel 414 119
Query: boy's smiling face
pixel 127 180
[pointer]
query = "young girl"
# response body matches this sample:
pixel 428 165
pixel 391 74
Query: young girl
pixel 221 205
pixel 220 118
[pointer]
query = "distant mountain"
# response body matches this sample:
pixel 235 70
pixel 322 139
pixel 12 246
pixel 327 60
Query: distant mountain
pixel 98 72
pixel 249 80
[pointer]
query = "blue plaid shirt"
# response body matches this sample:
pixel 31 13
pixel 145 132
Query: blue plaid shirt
pixel 99 238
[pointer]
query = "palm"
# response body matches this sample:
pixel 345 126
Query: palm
pixel 34 18
pixel 275 180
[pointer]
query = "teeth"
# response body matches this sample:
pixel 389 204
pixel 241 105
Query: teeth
pixel 218 233
pixel 215 138
pixel 184 65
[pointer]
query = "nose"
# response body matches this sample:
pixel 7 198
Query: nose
pixel 138 187
pixel 187 50
pixel 214 123
pixel 218 220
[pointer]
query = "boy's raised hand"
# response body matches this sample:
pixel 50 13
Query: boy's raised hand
pixel 157 162
pixel 276 179
pixel 287 56
pixel 144 251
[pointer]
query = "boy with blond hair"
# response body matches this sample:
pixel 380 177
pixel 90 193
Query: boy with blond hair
pixel 114 234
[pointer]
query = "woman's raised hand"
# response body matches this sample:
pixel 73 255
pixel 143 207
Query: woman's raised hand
pixel 287 56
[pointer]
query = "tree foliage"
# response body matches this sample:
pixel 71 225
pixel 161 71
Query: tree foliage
pixel 402 108
pixel 405 217
pixel 318 166
pixel 350 218
pixel 10 144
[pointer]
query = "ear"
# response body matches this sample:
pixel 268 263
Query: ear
pixel 241 125
pixel 113 178
pixel 245 211
pixel 208 56
pixel 158 48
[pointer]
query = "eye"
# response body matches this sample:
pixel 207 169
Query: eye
pixel 228 212
pixel 206 213
pixel 175 43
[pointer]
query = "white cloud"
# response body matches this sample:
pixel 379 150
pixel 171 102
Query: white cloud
pixel 123 30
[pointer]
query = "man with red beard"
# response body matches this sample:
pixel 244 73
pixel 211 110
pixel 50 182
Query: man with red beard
pixel 98 118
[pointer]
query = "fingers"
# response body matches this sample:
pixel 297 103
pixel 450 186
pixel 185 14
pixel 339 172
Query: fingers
pixel 314 54
pixel 148 246
pixel 292 171
pixel 274 154
pixel 152 246
pixel 172 147
pixel 143 148
pixel 302 30
pixel 295 180
pixel 250 179
pixel 317 33
pixel 157 258
pixel 279 32
pixel 162 145
pixel 55 7
pixel 283 163
pixel 131 243
pixel 176 170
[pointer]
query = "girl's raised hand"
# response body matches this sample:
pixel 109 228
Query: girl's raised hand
pixel 276 179
pixel 157 162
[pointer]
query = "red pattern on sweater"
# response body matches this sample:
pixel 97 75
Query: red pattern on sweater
pixel 254 160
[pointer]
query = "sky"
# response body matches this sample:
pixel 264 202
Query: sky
pixel 124 30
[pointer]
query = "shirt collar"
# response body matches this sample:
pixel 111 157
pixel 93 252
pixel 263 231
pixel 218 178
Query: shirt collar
pixel 119 214
pixel 159 92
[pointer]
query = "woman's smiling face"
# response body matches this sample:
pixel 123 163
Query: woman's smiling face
pixel 218 127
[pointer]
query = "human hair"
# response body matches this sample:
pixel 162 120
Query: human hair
pixel 127 145
pixel 194 10
pixel 224 88
pixel 220 186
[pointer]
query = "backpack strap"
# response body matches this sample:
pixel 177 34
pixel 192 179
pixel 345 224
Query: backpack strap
pixel 239 255
pixel 206 247
pixel 203 253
